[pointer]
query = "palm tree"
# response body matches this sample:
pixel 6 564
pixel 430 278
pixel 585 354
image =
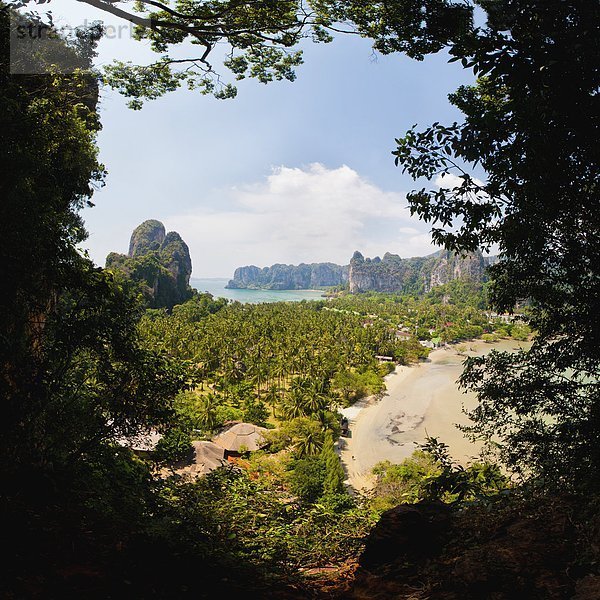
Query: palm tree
pixel 207 412
pixel 295 403
pixel 309 444
pixel 273 397
pixel 317 397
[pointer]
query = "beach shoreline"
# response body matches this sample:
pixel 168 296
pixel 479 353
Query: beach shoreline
pixel 420 400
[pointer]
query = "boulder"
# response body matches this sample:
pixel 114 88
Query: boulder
pixel 409 531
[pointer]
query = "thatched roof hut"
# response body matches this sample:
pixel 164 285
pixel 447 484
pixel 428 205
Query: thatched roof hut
pixel 204 458
pixel 240 437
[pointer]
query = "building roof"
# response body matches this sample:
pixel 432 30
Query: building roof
pixel 206 457
pixel 241 436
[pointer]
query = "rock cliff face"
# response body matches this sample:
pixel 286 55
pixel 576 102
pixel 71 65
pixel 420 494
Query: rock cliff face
pixel 388 274
pixel 420 274
pixel 146 237
pixel 449 266
pixel 158 263
pixel 289 277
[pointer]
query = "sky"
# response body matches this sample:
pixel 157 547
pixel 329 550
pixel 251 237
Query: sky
pixel 287 172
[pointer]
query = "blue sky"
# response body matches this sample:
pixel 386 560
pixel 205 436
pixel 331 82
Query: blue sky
pixel 287 172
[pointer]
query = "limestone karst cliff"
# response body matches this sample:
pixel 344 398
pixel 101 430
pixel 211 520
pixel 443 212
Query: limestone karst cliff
pixel 394 274
pixel 388 274
pixel 158 263
pixel 289 277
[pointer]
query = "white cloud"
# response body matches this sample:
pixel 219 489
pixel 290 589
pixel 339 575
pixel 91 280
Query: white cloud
pixel 311 214
pixel 449 181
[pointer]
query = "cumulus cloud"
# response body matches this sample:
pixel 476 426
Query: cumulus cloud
pixel 311 214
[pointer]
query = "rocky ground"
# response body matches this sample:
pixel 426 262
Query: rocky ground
pixel 536 548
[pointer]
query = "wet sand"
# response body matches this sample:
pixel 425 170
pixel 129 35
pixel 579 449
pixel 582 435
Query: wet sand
pixel 420 401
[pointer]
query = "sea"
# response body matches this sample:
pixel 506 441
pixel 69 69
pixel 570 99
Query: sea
pixel 216 287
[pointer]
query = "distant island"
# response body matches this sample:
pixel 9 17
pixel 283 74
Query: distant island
pixel 388 274
pixel 289 277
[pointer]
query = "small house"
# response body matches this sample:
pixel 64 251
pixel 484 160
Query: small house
pixel 403 335
pixel 384 358
pixel 204 458
pixel 434 342
pixel 240 438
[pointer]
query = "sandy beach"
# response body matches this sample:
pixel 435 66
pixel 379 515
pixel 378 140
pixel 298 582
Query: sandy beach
pixel 420 400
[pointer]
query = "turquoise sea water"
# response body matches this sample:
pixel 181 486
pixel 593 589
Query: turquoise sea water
pixel 216 287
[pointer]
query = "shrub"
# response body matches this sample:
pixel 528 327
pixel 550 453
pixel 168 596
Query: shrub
pixel 173 446
pixel 306 478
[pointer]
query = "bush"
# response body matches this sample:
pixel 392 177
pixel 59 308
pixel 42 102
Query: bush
pixel 404 482
pixel 225 413
pixel 430 474
pixel 255 412
pixel 520 331
pixel 306 478
pixel 489 338
pixel 173 446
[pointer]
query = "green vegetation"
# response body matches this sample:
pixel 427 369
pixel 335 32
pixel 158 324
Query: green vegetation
pixel 333 483
pixel 538 201
pixel 74 374
pixel 452 312
pixel 538 409
pixel 275 361
pixel 80 367
pixel 229 516
pixel 430 474
pixel 262 39
pixel 173 446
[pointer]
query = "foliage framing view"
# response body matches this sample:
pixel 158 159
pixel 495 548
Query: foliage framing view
pixel 77 373
pixel 531 123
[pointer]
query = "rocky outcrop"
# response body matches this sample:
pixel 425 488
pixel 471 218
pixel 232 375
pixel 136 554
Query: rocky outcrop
pixel 406 531
pixel 449 266
pixel 158 264
pixel 176 258
pixel 289 277
pixel 146 238
pixel 513 549
pixel 394 274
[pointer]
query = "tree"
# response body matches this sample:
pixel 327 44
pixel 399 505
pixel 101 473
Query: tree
pixel 75 378
pixel 262 37
pixel 255 411
pixel 529 123
pixel 49 126
pixel 306 477
pixel 307 436
pixel 333 482
pixel 50 163
pixel 530 126
pixel 430 474
pixel 295 403
pixel 273 397
pixel 207 412
pixel 173 446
